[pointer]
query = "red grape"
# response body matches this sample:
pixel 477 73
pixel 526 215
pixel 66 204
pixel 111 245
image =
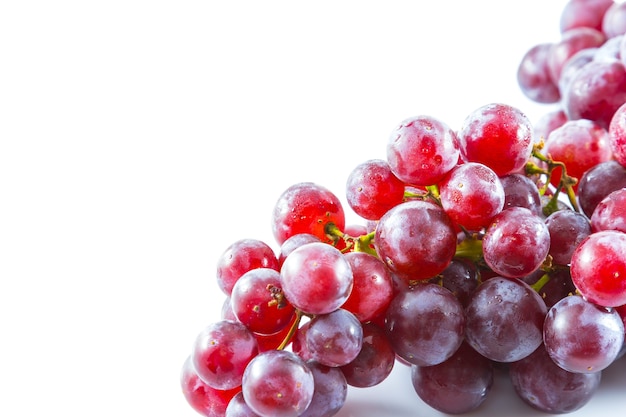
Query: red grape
pixel 416 240
pixel 533 75
pixel 497 135
pixel 306 208
pixel 372 189
pixel 221 353
pixel 598 268
pixel 257 302
pixel 516 243
pixel 471 194
pixel 617 135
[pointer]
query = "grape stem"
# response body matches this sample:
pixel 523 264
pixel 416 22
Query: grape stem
pixel 361 243
pixel 566 182
pixel 292 330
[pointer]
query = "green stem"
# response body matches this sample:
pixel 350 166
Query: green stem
pixel 470 248
pixel 537 286
pixel 292 330
pixel 364 244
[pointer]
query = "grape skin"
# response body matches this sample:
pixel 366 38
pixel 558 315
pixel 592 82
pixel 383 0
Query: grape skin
pixel 334 339
pixel 598 182
pixel 316 278
pixel 425 324
pixel 277 383
pixel 456 386
pixel 306 207
pixel 610 213
pixel 421 150
pixel 582 337
pixel 221 352
pixel 598 268
pixel 505 319
pixel 545 386
pixel 240 257
pixel 497 135
pixel 516 243
pixel 330 393
pixel 471 194
pixel 416 240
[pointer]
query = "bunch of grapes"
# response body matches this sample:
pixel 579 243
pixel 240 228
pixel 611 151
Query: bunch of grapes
pixel 498 245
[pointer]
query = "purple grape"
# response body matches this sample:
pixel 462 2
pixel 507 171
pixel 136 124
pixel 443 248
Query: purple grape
pixel 582 337
pixel 542 384
pixel 331 391
pixel 425 324
pixel 505 319
pixel 334 339
pixel 458 385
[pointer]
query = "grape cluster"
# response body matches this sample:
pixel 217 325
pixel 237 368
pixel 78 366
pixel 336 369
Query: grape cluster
pixel 495 246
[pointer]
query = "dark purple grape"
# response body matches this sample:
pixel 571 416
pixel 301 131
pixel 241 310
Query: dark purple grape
pixel 425 324
pixel 521 191
pixel 374 362
pixel 598 182
pixel 567 229
pixel 456 386
pixel 505 319
pixel 545 386
pixel 461 278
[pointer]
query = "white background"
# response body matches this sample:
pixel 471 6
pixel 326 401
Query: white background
pixel 138 139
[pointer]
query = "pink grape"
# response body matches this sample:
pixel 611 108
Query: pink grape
pixel 610 213
pixel 533 75
pixel 316 278
pixel 583 13
pixel 582 337
pixel 617 134
pixel 596 91
pixel 572 41
pixel 277 383
pixel 240 257
pixel 221 353
pixel 421 150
